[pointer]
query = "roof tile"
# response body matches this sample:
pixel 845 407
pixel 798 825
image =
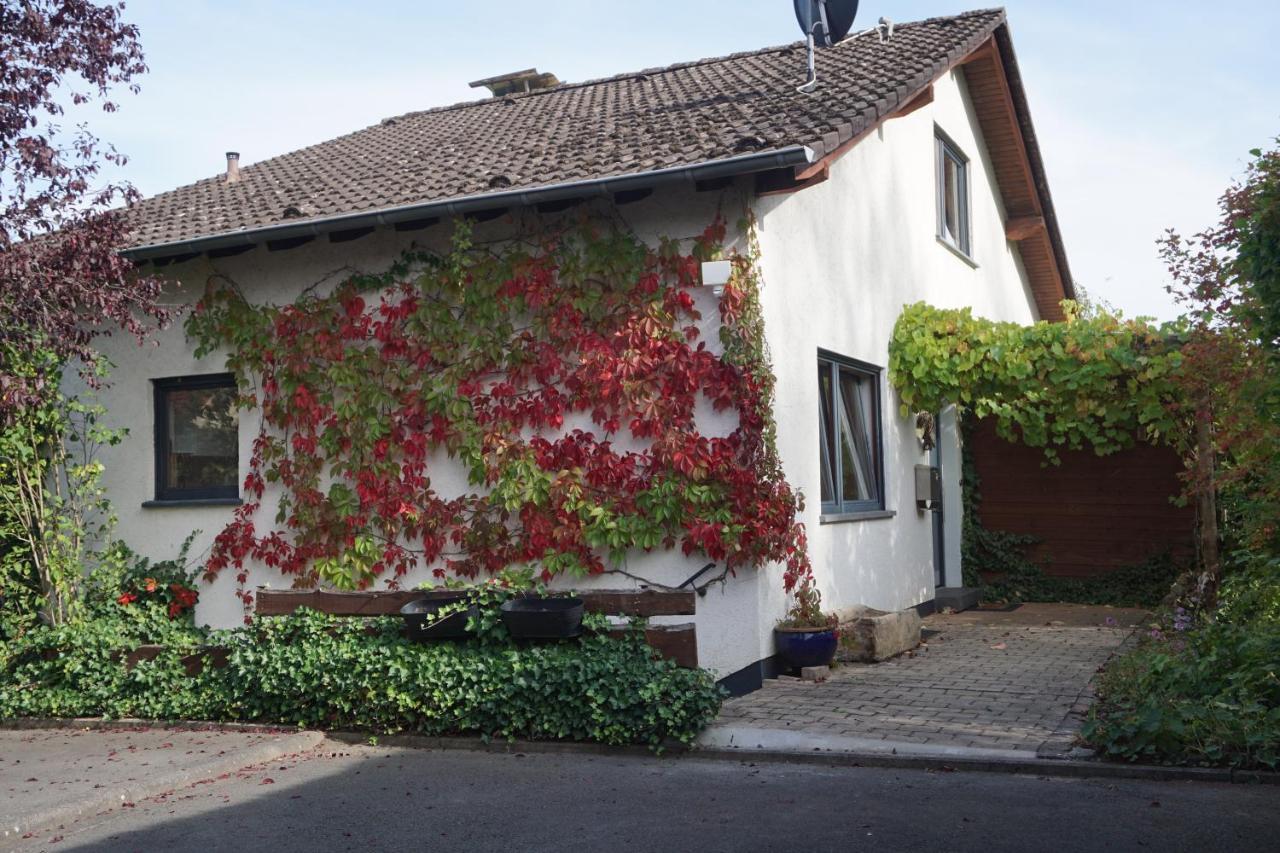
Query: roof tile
pixel 683 114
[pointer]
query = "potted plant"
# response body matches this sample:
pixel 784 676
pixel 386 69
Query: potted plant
pixel 533 614
pixel 438 616
pixel 539 617
pixel 807 636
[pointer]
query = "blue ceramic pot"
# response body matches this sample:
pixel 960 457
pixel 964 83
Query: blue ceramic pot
pixel 799 648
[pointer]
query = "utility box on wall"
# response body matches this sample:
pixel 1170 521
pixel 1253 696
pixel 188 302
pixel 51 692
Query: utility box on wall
pixel 928 488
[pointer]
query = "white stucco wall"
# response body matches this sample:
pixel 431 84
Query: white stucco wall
pixel 840 260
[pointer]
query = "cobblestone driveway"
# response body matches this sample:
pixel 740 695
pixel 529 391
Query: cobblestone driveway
pixel 987 680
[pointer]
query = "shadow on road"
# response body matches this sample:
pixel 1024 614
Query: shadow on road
pixel 368 798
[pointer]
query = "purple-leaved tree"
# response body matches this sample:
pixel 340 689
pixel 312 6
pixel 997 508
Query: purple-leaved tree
pixel 63 281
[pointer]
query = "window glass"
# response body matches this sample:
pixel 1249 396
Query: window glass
pixel 198 438
pixel 827 430
pixel 856 440
pixel 953 195
pixel 950 200
pixel 851 458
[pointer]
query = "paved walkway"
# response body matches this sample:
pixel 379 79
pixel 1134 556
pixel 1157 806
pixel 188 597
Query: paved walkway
pixel 1015 684
pixel 53 776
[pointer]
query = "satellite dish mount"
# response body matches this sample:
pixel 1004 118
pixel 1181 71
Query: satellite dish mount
pixel 824 24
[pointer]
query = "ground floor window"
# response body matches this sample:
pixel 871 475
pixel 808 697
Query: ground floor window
pixel 851 446
pixel 197 438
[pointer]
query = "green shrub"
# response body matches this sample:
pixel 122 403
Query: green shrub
pixel 79 669
pixel 314 670
pixel 1251 591
pixel 1210 696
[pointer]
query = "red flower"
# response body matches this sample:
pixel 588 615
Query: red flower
pixel 184 598
pixel 150 584
pixel 127 598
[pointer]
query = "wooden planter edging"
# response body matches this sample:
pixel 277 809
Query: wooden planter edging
pixel 282 602
pixel 677 642
pixel 194 663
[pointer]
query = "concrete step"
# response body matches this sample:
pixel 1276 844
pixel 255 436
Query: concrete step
pixel 958 598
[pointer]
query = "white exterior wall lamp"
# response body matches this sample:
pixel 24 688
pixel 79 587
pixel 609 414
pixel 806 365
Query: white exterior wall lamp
pixel 715 275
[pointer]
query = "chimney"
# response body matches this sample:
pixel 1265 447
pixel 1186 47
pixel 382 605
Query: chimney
pixel 517 81
pixel 233 167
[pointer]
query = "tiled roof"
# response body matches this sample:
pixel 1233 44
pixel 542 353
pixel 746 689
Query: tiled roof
pixel 681 115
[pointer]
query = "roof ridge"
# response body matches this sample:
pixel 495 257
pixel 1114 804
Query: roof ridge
pixel 564 87
pixel 675 66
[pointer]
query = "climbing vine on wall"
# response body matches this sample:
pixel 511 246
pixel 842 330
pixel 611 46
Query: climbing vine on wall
pixel 1095 381
pixel 562 375
pixel 1098 381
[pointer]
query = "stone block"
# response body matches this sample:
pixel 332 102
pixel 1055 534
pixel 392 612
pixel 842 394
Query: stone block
pixel 815 673
pixel 869 635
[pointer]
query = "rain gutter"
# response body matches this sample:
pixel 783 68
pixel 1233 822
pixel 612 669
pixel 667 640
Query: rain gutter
pixel 791 157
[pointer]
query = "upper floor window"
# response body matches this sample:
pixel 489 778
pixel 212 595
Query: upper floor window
pixel 852 451
pixel 953 195
pixel 197 438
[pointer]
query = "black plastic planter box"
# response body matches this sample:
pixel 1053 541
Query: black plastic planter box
pixel 542 618
pixel 422 621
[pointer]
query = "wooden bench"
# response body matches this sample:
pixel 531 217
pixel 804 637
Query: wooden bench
pixel 677 642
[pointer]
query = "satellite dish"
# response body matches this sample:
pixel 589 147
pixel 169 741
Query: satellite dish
pixel 828 21
pixel 824 23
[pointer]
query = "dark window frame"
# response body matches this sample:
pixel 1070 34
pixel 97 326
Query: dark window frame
pixel 874 374
pixel 161 388
pixel 946 150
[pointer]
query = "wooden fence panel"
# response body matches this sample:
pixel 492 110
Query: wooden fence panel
pixel 1092 514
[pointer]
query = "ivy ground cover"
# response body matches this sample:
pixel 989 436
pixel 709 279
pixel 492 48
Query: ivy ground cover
pixel 351 674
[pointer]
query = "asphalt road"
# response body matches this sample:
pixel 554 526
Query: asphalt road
pixel 369 798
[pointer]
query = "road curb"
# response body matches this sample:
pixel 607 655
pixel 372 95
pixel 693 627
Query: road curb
pixel 133 724
pixel 1026 767
pixel 282 745
pixel 919 761
pixel 294 741
pixel 511 747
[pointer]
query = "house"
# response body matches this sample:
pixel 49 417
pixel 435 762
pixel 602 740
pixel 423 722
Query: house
pixel 910 173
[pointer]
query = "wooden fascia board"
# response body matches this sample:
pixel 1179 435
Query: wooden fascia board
pixel 824 165
pixel 992 55
pixel 1019 228
pixel 1002 59
pixel 769 183
pixel 1031 151
pixel 921 100
pixel 988 48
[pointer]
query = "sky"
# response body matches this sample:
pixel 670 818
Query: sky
pixel 1145 112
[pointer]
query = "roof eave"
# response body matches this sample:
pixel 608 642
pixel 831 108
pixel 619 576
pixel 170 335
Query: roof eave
pixel 790 157
pixel 1010 61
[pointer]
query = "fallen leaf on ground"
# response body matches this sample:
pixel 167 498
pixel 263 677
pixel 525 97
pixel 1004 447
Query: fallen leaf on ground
pixel 1000 646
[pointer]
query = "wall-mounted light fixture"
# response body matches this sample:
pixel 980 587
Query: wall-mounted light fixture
pixel 715 275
